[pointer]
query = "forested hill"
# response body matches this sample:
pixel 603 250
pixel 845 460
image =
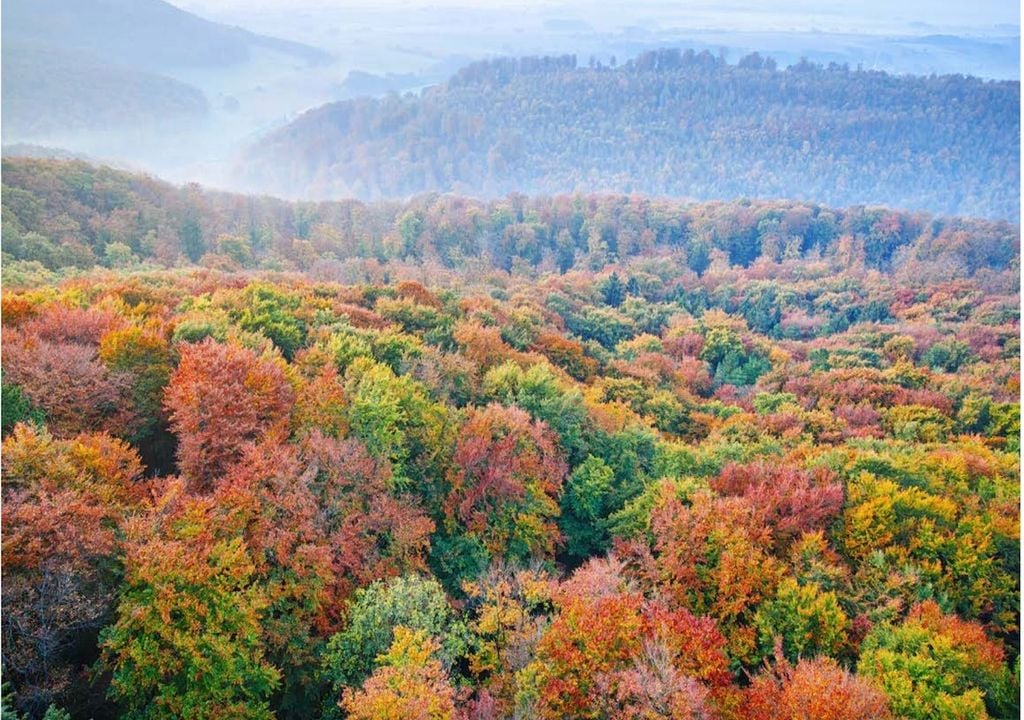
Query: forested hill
pixel 62 215
pixel 668 123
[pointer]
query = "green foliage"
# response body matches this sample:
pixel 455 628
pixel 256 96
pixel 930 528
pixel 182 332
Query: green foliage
pixel 584 510
pixel 186 640
pixel 767 403
pixel 18 409
pixel 729 360
pixel 809 621
pixel 411 602
pixel 271 312
pixel 395 418
pixel 934 667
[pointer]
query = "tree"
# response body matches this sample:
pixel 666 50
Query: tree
pixel 268 310
pixel 934 665
pixel 789 501
pixel 408 684
pixel 585 508
pixel 187 641
pixel 220 397
pixel 69 384
pixel 191 236
pixel 508 608
pixel 63 504
pixel 411 602
pixel 807 621
pixel 613 291
pixel 586 640
pixel 18 409
pixel 394 417
pixel 653 687
pixel 144 355
pixel 712 558
pixel 506 478
pixel 815 689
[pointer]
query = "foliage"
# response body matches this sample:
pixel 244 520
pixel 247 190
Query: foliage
pixel 409 683
pixel 651 124
pixel 506 458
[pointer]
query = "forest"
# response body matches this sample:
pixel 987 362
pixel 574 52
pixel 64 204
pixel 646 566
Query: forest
pixel 578 456
pixel 668 122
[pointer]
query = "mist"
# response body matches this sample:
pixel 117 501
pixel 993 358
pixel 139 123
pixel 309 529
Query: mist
pixel 219 75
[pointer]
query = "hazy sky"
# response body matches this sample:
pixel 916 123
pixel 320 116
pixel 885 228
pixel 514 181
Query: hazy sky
pixel 972 13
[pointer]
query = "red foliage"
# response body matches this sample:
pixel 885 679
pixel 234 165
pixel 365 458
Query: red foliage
pixel 508 472
pixel 815 689
pixel 373 533
pixel 712 557
pixel 787 500
pixel 62 324
pixel 654 687
pixel 323 512
pixel 585 641
pixel 417 293
pixel 220 397
pixel 696 645
pixel 63 505
pixel 360 317
pixel 69 383
pixel 687 345
pixel 966 635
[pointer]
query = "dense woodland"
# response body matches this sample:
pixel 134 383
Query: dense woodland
pixel 673 123
pixel 573 457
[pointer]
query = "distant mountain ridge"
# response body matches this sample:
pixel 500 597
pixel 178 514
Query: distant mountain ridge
pixel 49 93
pixel 674 123
pixel 143 34
pixel 74 66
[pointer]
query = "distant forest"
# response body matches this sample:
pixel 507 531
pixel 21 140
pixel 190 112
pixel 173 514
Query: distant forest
pixel 674 123
pixel 60 216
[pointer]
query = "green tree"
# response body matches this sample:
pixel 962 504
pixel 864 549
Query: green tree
pixel 412 602
pixel 584 508
pixel 186 641
pixel 809 621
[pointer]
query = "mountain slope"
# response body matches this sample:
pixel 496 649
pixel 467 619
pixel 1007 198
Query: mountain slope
pixel 75 69
pixel 143 34
pixel 679 124
pixel 49 93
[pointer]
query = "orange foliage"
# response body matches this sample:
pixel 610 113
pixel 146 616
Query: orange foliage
pixel 220 397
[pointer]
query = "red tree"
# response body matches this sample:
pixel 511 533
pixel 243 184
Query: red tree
pixel 220 397
pixel 507 476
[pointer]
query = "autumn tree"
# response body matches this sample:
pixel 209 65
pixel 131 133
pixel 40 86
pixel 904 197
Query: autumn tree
pixel 934 665
pixel 711 557
pixel 63 504
pixel 186 641
pixel 506 478
pixel 408 684
pixel 813 689
pixel 220 397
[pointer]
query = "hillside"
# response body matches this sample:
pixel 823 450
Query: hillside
pixel 75 215
pixel 49 93
pixel 554 457
pixel 76 68
pixel 144 34
pixel 666 123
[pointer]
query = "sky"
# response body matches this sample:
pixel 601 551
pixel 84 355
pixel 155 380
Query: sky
pixel 973 13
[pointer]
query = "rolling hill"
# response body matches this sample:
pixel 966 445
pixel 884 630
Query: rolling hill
pixel 74 66
pixel 669 123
